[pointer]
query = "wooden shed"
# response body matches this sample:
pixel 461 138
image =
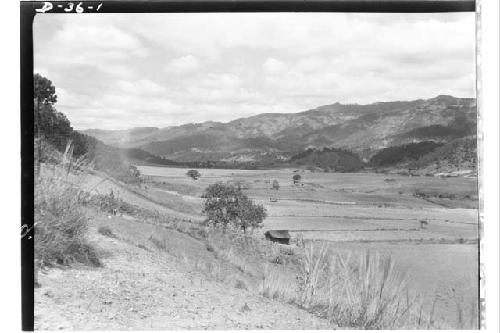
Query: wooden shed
pixel 278 236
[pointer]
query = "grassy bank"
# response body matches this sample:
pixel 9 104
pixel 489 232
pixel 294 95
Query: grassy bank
pixel 60 223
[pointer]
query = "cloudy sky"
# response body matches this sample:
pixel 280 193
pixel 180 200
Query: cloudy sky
pixel 116 71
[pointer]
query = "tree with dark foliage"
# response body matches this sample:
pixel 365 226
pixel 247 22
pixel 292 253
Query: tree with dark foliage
pixel 195 174
pixel 134 171
pixel 49 124
pixel 226 206
pixel 43 90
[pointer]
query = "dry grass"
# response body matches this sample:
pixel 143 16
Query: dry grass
pixel 365 292
pixel 212 268
pixel 362 292
pixel 159 243
pixel 465 319
pixel 236 249
pixel 60 225
pixel 279 284
pixel 368 293
pixel 312 266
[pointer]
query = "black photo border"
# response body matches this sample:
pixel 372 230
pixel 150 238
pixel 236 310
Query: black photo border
pixel 28 10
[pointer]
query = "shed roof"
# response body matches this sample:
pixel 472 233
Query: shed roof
pixel 278 233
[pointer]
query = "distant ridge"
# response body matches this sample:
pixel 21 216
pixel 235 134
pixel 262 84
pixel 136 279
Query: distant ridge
pixel 276 137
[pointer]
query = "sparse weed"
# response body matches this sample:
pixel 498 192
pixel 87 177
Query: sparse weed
pixel 106 231
pixel 241 285
pixel 312 266
pixel 142 246
pixel 160 244
pixel 277 283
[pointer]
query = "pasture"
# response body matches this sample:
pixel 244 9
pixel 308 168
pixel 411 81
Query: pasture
pixel 359 212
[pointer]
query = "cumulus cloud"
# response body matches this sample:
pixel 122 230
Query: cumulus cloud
pixel 274 66
pixel 86 42
pixel 124 70
pixel 140 87
pixel 183 65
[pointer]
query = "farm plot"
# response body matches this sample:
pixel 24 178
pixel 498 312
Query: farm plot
pixel 341 209
pixel 341 206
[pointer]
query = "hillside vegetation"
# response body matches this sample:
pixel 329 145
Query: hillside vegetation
pixel 363 129
pixel 459 154
pixel 404 153
pixel 436 132
pixel 328 159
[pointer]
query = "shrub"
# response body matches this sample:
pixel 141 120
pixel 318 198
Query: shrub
pixel 134 172
pixel 296 178
pixel 278 260
pixel 241 285
pixel 110 203
pixel 276 185
pixel 141 246
pixel 228 207
pixel 195 174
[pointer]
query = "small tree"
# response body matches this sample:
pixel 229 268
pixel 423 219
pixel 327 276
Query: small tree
pixel 276 185
pixel 226 206
pixel 296 178
pixel 134 171
pixel 195 174
pixel 44 91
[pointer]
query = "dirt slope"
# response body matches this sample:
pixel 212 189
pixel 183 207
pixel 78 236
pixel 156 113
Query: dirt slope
pixel 141 289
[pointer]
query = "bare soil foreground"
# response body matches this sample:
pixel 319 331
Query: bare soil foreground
pixel 143 288
pixel 161 269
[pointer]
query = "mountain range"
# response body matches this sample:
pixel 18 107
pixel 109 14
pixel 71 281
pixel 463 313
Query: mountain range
pixel 361 129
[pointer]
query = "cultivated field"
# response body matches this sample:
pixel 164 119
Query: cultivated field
pixel 359 212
